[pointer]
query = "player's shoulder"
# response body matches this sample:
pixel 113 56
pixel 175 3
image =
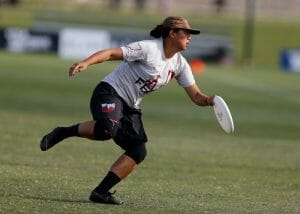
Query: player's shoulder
pixel 180 61
pixel 144 45
pixel 152 43
pixel 180 58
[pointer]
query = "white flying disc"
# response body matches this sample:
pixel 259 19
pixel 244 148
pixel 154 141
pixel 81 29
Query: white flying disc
pixel 223 114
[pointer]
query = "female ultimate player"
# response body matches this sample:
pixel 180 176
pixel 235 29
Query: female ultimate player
pixel 147 65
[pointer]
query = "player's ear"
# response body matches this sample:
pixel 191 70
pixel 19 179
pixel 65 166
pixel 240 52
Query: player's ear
pixel 172 33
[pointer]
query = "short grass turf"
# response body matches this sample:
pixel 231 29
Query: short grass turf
pixel 192 165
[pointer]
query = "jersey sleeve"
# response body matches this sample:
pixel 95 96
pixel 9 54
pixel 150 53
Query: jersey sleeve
pixel 185 76
pixel 134 51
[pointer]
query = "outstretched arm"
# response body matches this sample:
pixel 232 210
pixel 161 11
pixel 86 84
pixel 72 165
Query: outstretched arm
pixel 98 57
pixel 198 97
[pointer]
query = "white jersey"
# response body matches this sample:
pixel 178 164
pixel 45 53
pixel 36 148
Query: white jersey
pixel 146 69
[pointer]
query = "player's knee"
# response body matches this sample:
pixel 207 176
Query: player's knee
pixel 137 153
pixel 105 129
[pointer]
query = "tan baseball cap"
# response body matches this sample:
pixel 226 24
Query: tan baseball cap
pixel 177 22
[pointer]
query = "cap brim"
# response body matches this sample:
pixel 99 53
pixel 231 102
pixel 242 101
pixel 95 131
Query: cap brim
pixel 194 31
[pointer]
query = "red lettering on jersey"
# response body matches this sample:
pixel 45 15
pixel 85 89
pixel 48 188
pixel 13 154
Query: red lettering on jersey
pixel 171 75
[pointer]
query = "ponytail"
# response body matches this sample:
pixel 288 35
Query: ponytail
pixel 157 31
pixel 160 31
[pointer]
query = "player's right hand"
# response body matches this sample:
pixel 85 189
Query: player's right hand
pixel 76 68
pixel 210 100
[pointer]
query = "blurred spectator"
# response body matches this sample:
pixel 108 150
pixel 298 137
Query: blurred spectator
pixel 140 4
pixel 165 6
pixel 10 2
pixel 115 4
pixel 219 5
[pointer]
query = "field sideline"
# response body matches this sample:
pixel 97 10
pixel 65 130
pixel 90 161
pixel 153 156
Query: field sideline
pixel 192 165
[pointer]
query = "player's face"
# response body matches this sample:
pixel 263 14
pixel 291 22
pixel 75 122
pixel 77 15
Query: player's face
pixel 183 38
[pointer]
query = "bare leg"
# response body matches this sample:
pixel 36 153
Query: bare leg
pixel 123 166
pixel 86 129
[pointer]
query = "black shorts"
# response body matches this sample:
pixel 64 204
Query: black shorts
pixel 107 104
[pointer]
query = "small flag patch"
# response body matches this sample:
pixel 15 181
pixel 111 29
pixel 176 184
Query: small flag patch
pixel 108 107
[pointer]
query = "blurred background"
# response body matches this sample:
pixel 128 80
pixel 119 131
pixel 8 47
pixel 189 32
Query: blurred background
pixel 248 52
pixel 252 32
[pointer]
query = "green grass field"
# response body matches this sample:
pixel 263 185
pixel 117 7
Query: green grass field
pixel 192 165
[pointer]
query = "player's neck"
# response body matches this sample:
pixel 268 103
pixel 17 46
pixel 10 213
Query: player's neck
pixel 169 49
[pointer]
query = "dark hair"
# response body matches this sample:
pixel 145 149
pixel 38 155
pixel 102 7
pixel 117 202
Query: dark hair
pixel 161 31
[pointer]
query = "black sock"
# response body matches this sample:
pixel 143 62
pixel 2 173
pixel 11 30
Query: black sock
pixel 71 131
pixel 107 183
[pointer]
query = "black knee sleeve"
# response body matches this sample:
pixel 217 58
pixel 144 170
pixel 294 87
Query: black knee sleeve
pixel 105 129
pixel 137 153
pixel 130 131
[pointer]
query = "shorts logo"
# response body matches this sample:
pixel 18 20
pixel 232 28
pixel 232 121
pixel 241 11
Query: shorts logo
pixel 108 107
